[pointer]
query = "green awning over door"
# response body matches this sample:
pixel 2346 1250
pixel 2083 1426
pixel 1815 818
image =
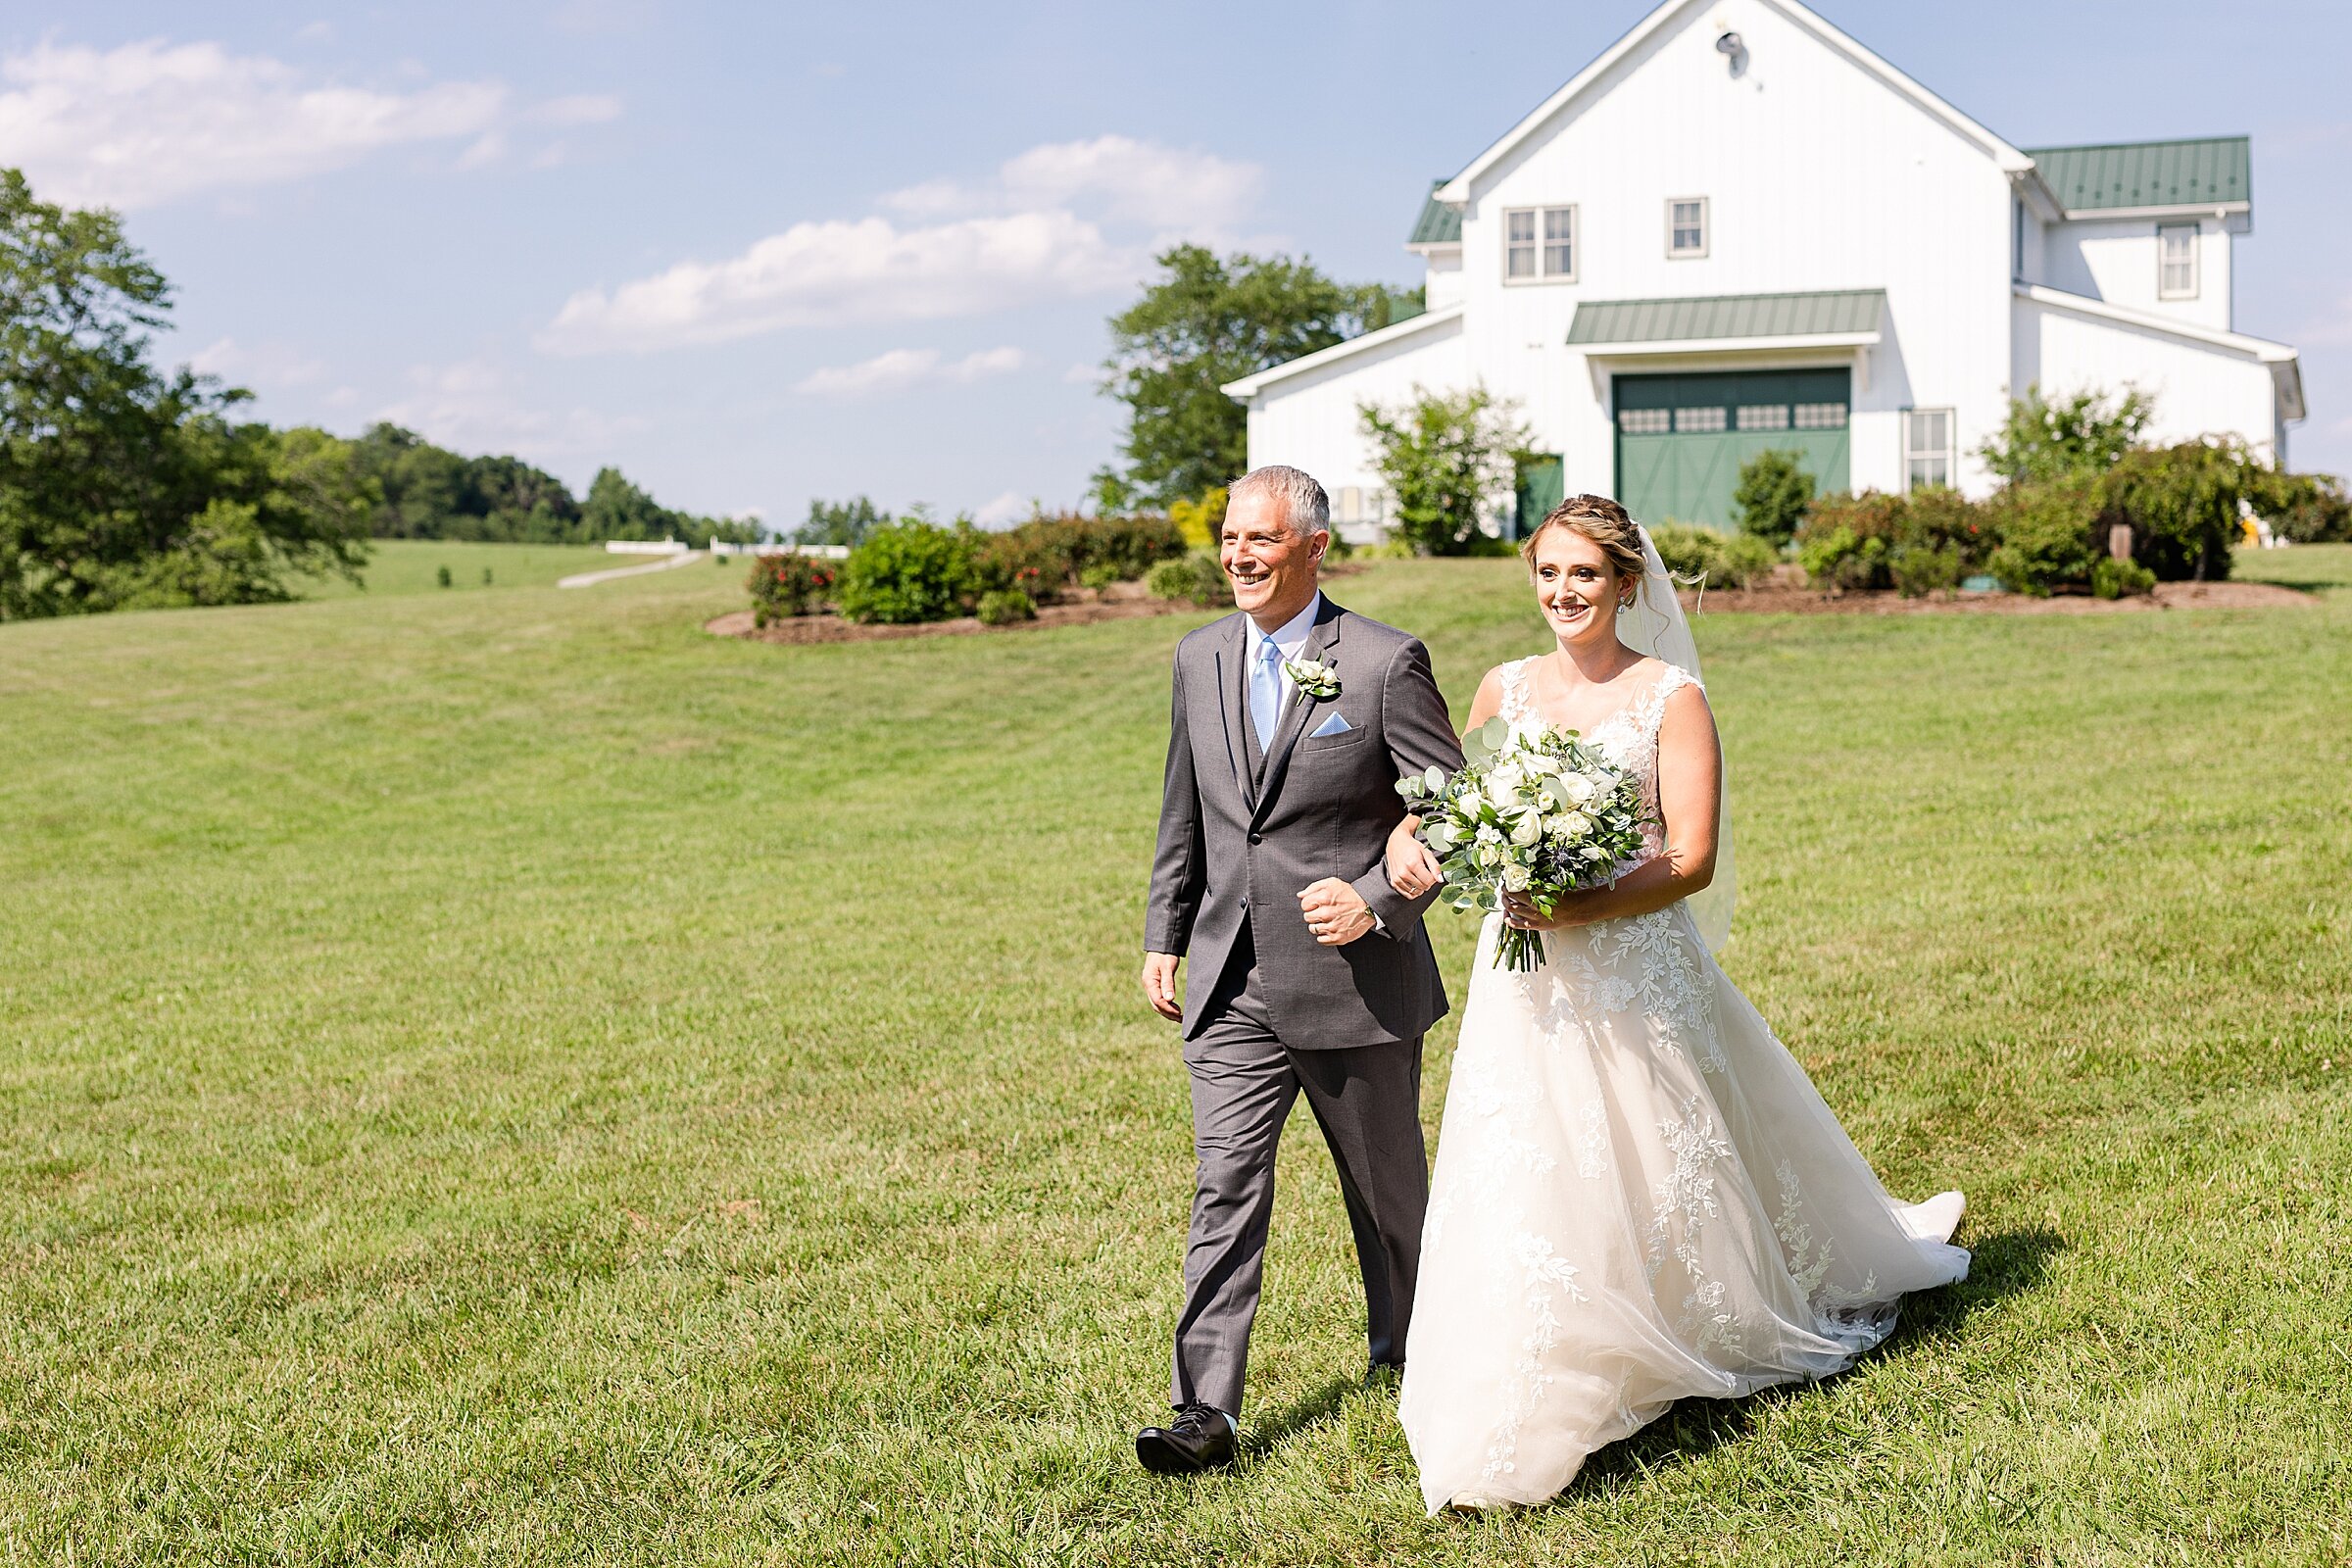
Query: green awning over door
pixel 1681 438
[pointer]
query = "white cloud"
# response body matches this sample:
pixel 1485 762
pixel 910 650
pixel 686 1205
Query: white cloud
pixel 1002 513
pixel 901 369
pixel 266 364
pixel 832 273
pixel 474 405
pixel 1059 221
pixel 151 121
pixel 580 108
pixel 1168 189
pixel 1083 373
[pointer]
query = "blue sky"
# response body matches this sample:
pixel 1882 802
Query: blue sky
pixel 755 254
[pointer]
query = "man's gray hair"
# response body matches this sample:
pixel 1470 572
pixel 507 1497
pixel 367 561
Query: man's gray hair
pixel 1305 507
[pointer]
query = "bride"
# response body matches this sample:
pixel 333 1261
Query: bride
pixel 1639 1195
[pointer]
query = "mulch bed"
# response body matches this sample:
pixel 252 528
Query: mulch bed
pixel 1768 599
pixel 834 629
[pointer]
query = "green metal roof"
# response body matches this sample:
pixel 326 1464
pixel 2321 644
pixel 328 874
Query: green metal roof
pixel 1439 224
pixel 1724 315
pixel 2148 173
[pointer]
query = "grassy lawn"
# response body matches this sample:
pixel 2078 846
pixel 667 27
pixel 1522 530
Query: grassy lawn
pixel 414 566
pixel 501 1077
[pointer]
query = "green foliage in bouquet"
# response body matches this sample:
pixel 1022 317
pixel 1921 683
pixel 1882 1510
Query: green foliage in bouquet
pixel 1542 814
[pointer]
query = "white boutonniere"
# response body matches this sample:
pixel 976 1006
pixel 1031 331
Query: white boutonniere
pixel 1319 681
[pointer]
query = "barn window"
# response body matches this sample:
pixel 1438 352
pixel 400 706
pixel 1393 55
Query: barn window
pixel 1821 416
pixel 1699 420
pixel 2176 262
pixel 1687 227
pixel 1927 447
pixel 1763 416
pixel 1645 421
pixel 1528 258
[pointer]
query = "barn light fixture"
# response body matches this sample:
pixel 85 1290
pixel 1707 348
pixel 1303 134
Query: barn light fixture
pixel 1732 49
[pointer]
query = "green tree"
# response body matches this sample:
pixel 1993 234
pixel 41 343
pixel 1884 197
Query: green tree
pixel 2088 433
pixel 839 523
pixel 1202 322
pixel 1772 496
pixel 120 485
pixel 1442 457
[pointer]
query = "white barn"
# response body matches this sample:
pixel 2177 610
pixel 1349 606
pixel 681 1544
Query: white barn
pixel 1738 229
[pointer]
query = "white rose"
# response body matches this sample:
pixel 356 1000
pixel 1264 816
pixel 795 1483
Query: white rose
pixel 1516 878
pixel 1580 788
pixel 1527 829
pixel 1576 824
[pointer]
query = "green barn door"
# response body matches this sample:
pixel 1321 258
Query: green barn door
pixel 1681 439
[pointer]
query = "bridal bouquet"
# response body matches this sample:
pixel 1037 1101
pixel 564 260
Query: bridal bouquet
pixel 1540 815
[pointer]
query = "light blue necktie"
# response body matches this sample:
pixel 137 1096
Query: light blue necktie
pixel 1265 692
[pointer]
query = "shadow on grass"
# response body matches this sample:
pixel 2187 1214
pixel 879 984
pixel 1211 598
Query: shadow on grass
pixel 1265 1436
pixel 2000 1266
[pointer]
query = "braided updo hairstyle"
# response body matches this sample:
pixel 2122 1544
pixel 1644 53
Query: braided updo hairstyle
pixel 1604 523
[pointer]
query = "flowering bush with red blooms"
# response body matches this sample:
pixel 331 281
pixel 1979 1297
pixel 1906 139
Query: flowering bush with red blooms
pixel 790 584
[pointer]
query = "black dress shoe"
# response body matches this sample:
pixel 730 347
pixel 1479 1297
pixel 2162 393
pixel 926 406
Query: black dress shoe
pixel 1383 1377
pixel 1198 1439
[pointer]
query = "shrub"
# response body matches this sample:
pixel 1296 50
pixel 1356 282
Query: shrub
pixel 2045 529
pixel 2306 508
pixel 1198 521
pixel 1920 570
pixel 1772 496
pixel 908 570
pixel 1196 577
pixel 1718 559
pixel 2111 578
pixel 2182 504
pixel 1046 555
pixel 444 577
pixel 1002 607
pixel 1442 457
pixel 786 585
pixel 1839 557
pixel 1098 576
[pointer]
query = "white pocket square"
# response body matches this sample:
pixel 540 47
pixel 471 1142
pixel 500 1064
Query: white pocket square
pixel 1335 724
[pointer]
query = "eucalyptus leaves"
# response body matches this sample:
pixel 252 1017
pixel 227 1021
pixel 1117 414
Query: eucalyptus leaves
pixel 1538 813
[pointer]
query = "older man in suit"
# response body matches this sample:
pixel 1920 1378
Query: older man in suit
pixel 1292 722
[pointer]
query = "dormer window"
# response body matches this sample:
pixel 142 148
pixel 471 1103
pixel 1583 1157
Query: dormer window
pixel 2176 262
pixel 1685 226
pixel 1539 245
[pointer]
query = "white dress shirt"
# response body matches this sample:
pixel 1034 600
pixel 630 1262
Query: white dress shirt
pixel 1291 637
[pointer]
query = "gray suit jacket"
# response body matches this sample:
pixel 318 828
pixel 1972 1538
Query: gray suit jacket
pixel 1240 835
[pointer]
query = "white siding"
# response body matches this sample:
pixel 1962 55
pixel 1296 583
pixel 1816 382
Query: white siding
pixel 2198 390
pixel 1310 420
pixel 2114 259
pixel 1443 286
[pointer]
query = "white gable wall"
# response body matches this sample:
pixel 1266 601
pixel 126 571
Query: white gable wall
pixel 1817 175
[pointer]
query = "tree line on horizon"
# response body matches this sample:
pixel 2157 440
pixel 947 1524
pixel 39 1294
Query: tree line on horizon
pixel 124 485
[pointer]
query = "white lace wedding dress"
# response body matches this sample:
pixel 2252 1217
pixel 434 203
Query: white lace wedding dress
pixel 1639 1197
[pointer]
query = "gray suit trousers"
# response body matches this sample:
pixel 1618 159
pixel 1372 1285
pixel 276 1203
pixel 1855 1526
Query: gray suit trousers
pixel 1367 1100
